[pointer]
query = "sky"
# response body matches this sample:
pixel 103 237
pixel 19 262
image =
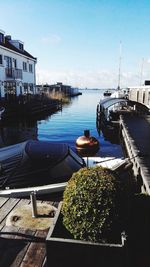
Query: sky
pixel 83 43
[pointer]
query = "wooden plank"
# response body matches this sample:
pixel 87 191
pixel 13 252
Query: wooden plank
pixel 5 209
pixel 11 230
pixel 3 200
pixel 36 252
pixel 18 203
pixel 9 248
pixel 20 256
pixel 20 251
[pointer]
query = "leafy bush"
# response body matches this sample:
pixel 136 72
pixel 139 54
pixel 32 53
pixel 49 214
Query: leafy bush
pixel 89 203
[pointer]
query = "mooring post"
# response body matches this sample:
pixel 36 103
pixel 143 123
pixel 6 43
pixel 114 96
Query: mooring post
pixel 33 204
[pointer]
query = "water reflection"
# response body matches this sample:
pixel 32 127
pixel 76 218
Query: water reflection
pixel 22 129
pixel 111 135
pixel 18 131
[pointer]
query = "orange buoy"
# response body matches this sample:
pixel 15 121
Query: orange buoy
pixel 87 145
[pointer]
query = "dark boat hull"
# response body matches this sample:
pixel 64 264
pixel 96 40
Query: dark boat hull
pixel 37 163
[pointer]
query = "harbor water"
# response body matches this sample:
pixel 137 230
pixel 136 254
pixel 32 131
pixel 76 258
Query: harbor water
pixel 65 126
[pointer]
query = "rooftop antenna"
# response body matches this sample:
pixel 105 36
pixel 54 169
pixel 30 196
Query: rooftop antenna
pixel 120 58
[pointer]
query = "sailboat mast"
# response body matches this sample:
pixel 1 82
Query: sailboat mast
pixel 120 58
pixel 141 74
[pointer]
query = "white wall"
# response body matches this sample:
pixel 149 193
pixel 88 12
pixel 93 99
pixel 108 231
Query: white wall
pixel 140 94
pixel 27 77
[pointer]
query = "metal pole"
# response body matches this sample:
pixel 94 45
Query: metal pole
pixel 87 162
pixel 33 204
pixel 120 58
pixel 141 75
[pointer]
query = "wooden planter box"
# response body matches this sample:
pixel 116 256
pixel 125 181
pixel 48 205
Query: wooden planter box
pixel 64 251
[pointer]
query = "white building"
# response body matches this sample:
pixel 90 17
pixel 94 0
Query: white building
pixel 17 68
pixel 140 94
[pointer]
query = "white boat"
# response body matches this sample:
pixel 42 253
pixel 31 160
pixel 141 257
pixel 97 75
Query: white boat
pixel 120 93
pixel 107 93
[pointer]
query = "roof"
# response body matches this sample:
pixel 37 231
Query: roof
pixel 145 87
pixel 10 46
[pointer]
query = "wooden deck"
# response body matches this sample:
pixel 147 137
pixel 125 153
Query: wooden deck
pixel 136 132
pixel 18 246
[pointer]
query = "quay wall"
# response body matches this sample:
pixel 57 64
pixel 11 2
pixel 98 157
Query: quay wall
pixel 140 170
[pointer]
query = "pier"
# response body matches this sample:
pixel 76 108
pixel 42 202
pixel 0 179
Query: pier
pixel 20 246
pixel 129 120
pixel 135 131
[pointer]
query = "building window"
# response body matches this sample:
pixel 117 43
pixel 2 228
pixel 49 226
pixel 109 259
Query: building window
pixel 31 87
pixel 10 88
pixel 1 59
pixel 1 38
pixel 21 46
pixel 25 88
pixel 15 63
pixel 30 68
pixel 8 62
pixel 24 66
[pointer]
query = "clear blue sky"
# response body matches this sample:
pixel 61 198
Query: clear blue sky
pixel 77 41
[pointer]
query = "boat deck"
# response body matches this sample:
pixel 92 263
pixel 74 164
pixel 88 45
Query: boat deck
pixel 18 246
pixel 106 162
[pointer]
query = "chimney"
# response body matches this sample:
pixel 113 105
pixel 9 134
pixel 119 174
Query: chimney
pixel 8 37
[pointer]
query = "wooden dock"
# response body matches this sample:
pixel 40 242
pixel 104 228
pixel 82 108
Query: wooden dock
pixel 135 131
pixel 29 106
pixel 20 246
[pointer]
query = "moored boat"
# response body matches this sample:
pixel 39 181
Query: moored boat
pixel 121 93
pixel 37 163
pixel 107 162
pixel 107 93
pixel 42 167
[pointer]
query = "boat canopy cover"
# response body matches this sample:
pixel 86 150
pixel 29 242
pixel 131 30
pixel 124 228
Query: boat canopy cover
pixel 108 102
pixel 45 152
pixel 34 163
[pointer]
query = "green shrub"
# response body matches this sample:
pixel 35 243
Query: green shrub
pixel 89 203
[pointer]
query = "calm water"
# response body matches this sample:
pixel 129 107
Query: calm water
pixel 64 126
pixel 70 123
